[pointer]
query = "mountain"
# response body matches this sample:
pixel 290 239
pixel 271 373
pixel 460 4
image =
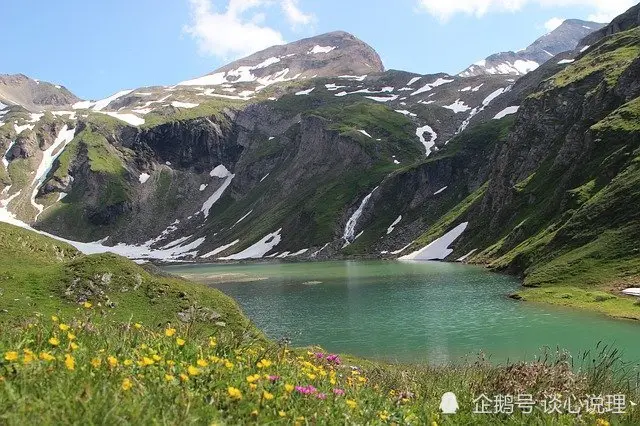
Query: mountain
pixel 533 174
pixel 34 95
pixel 564 38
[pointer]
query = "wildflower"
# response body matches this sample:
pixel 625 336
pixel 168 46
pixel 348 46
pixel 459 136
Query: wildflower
pixel 11 356
pixel 87 305
pixel 306 390
pixel 63 327
pixel 71 336
pixel 156 357
pixel 193 371
pixel 180 342
pixel 54 318
pixel 168 378
pixel 171 362
pixel 253 378
pixel 212 342
pixel 74 346
pixel 254 413
pixel 311 376
pixel 184 377
pixel 69 362
pixel 54 341
pixel 322 396
pixel 383 415
pixel 46 356
pixel 137 326
pixel 289 388
pixel 96 362
pixel 169 332
pixel 351 403
pixel 338 392
pixel 253 386
pixel 128 362
pixel 268 396
pixel 146 361
pixel 602 422
pixel 234 393
pixel 333 359
pixel 202 363
pixel 282 413
pixel 265 363
pixel 112 361
pixel 126 384
pixel 228 364
pixel 273 378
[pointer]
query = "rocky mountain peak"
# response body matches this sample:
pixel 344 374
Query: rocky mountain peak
pixel 327 55
pixel 564 38
pixel 32 94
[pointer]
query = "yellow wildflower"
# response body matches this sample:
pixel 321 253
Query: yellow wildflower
pixel 96 362
pixel 112 361
pixel 289 388
pixel 71 336
pixel 180 342
pixel 46 356
pixel 268 396
pixel 254 413
pixel 311 376
pixel 383 415
pixel 169 377
pixel 169 332
pixel 282 413
pixel 171 363
pixel 128 362
pixel 156 357
pixel 212 342
pixel 11 356
pixel 253 386
pixel 265 363
pixel 54 341
pixel 184 377
pixel 87 305
pixel 253 378
pixel 28 357
pixel 137 325
pixel 147 361
pixel 193 371
pixel 214 359
pixel 63 327
pixel 228 364
pixel 351 403
pixel 55 318
pixel 74 346
pixel 234 393
pixel 126 384
pixel 202 363
pixel 69 362
pixel 602 422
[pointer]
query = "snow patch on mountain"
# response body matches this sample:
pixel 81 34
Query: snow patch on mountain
pixel 305 92
pixel 428 144
pixel 507 111
pixel 132 119
pixel 177 104
pixel 393 225
pixel 259 249
pixel 438 249
pixel 321 49
pixel 430 86
pixel 220 249
pixel 458 106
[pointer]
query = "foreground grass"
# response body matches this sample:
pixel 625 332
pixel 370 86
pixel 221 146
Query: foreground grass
pixel 85 370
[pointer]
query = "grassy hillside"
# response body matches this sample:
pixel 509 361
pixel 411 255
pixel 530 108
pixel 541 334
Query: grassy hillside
pixel 97 339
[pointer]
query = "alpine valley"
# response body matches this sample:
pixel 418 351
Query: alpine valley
pixel 528 162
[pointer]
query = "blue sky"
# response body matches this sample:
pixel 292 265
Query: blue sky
pixel 96 48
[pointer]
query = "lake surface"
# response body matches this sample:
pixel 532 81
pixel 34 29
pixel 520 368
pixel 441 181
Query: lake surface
pixel 399 311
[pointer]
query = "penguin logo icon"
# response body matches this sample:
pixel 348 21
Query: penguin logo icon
pixel 449 403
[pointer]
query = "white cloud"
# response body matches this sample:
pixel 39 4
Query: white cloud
pixel 293 13
pixel 444 10
pixel 239 30
pixel 553 23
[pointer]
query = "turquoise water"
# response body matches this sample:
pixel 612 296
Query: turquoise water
pixel 397 311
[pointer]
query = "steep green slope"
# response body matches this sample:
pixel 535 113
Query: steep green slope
pixel 39 275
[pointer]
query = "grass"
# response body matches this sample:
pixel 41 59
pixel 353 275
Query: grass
pixel 214 107
pixel 98 339
pixel 622 307
pixel 611 58
pixel 625 118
